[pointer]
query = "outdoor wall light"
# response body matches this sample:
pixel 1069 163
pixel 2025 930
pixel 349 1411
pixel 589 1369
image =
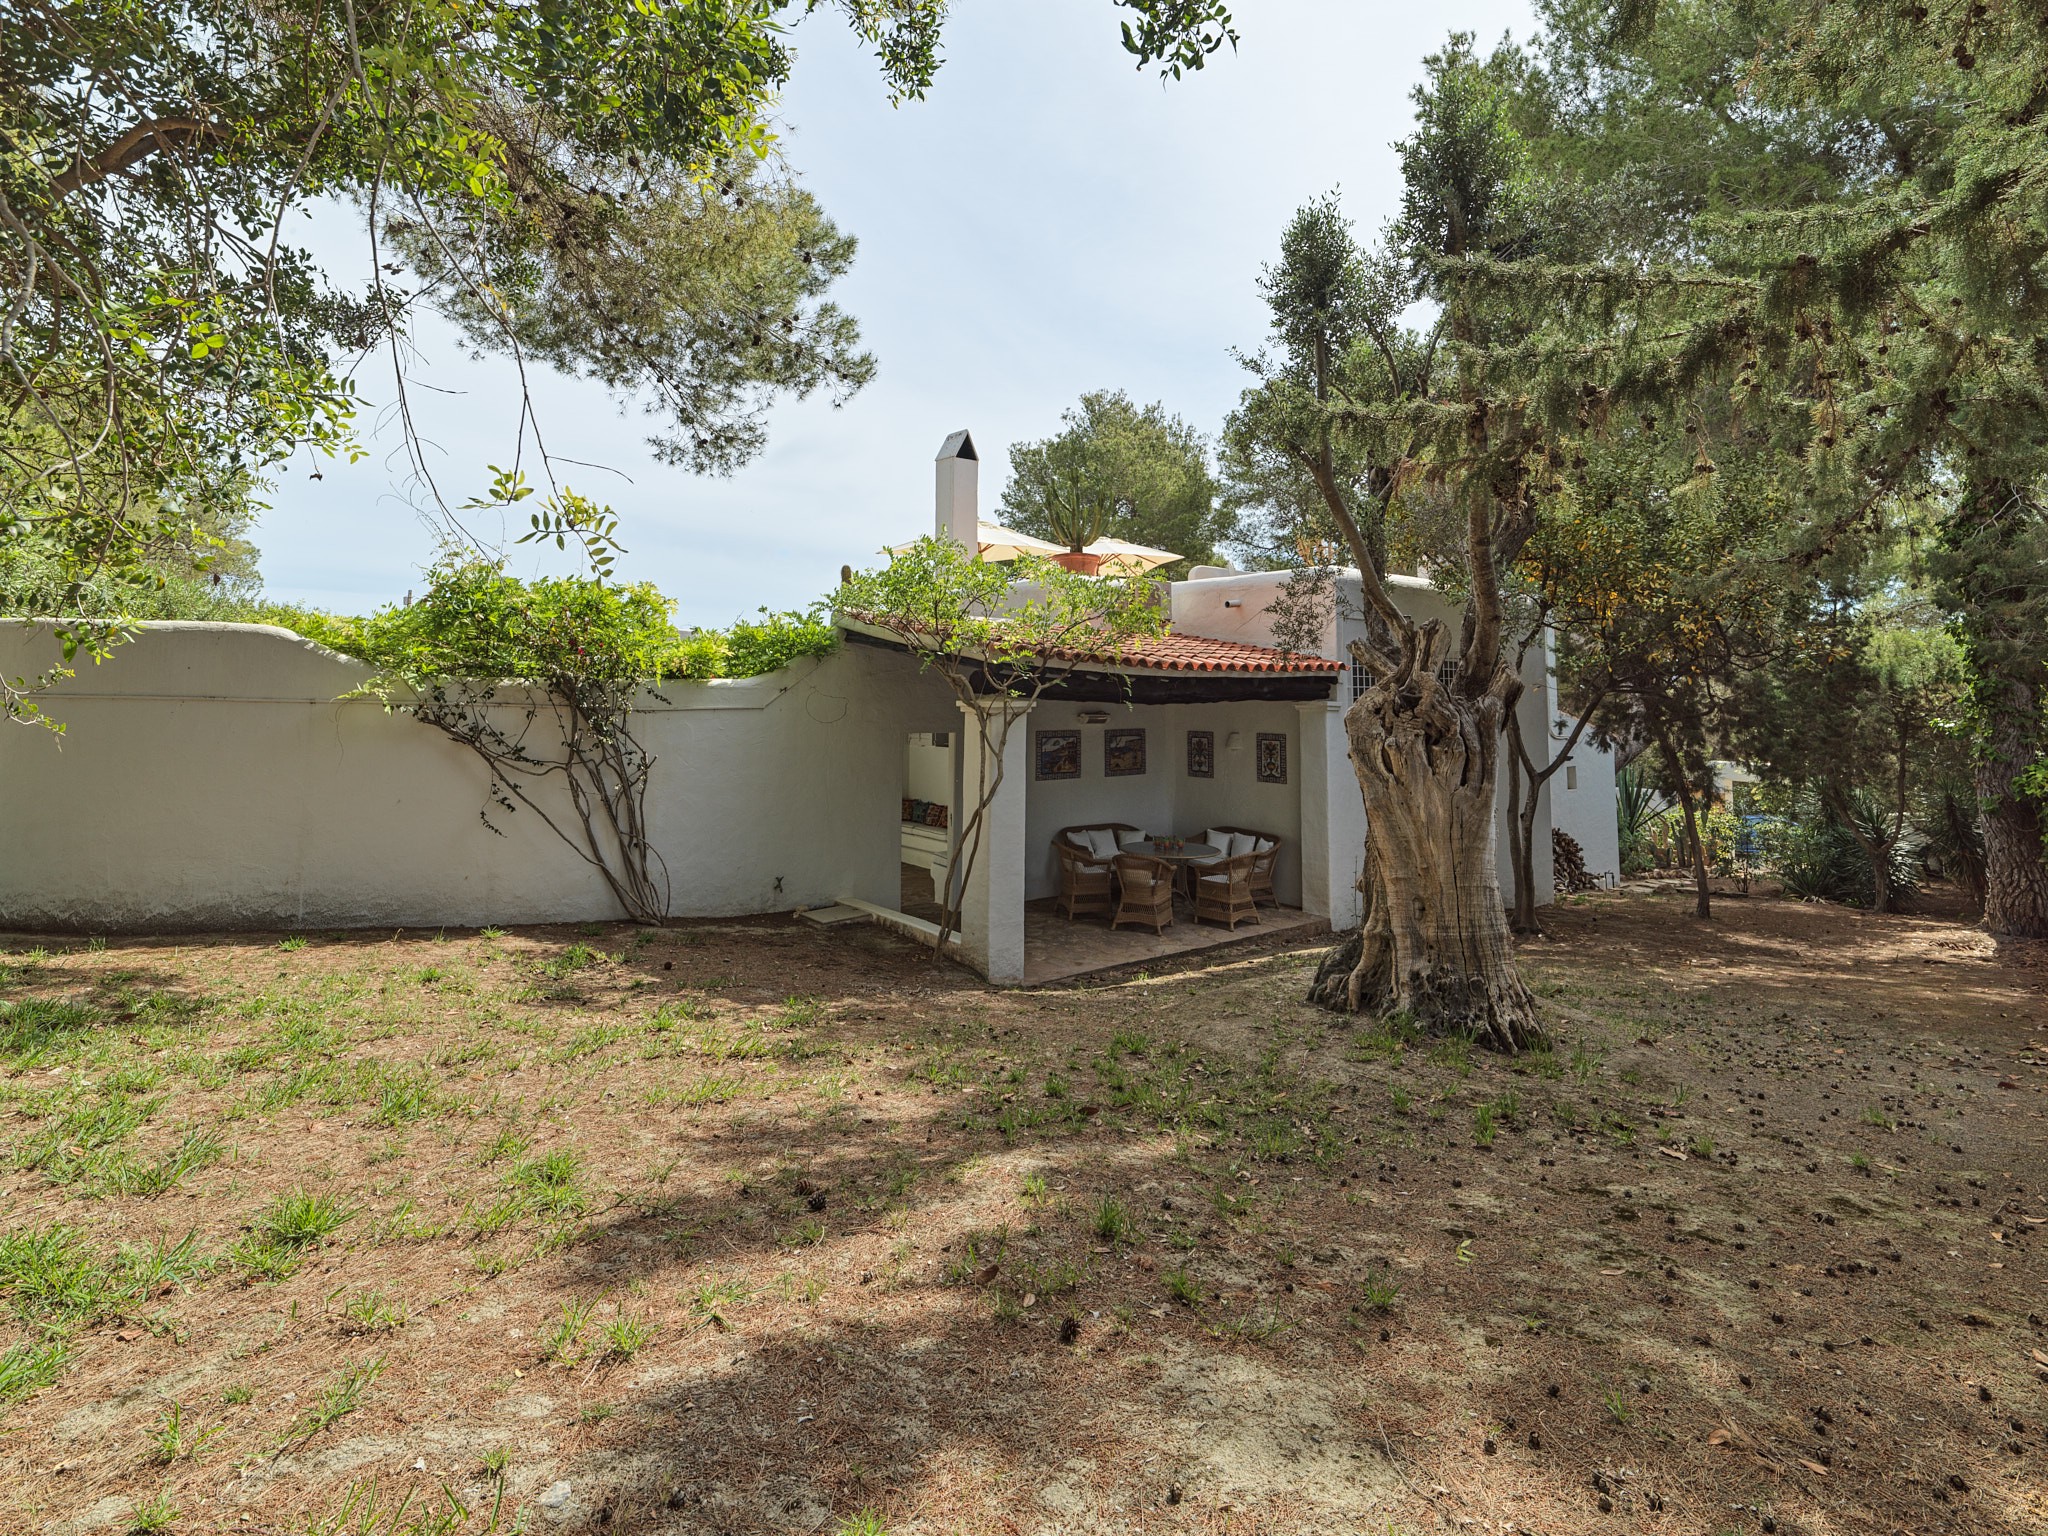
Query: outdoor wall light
pixel 1094 717
pixel 1234 742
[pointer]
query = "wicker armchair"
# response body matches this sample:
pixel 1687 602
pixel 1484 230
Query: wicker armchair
pixel 1074 837
pixel 1266 851
pixel 1223 892
pixel 1087 875
pixel 1087 884
pixel 1145 891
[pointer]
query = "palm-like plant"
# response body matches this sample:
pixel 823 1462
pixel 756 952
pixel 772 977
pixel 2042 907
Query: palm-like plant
pixel 1077 518
pixel 1954 844
pixel 1637 807
pixel 1075 505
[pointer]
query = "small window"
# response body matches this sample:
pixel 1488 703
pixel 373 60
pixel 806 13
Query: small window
pixel 1571 776
pixel 1446 673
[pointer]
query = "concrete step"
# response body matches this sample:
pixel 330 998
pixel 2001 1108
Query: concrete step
pixel 837 913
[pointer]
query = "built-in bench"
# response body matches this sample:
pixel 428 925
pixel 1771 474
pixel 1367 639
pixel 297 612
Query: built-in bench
pixel 925 845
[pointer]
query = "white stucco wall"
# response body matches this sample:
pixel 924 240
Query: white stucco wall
pixel 1164 799
pixel 928 769
pixel 1238 606
pixel 1582 804
pixel 211 776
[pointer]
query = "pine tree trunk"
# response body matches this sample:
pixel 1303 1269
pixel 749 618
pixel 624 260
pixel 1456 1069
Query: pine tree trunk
pixel 1435 941
pixel 1702 903
pixel 1521 834
pixel 1993 545
pixel 2015 863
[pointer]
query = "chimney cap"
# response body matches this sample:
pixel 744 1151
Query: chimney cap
pixel 959 446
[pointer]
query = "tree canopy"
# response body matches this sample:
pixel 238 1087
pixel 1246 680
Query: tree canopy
pixel 578 184
pixel 1145 471
pixel 1831 250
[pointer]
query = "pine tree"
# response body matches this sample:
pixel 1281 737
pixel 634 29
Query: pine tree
pixel 1833 219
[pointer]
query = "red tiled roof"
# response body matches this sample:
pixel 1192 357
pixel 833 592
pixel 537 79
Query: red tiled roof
pixel 1167 653
pixel 1198 653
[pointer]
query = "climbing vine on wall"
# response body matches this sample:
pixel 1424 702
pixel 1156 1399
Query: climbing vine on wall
pixel 542 681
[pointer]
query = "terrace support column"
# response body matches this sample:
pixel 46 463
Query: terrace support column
pixel 992 906
pixel 1332 819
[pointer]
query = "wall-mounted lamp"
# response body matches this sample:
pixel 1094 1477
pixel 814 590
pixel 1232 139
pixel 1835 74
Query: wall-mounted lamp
pixel 1234 742
pixel 1094 717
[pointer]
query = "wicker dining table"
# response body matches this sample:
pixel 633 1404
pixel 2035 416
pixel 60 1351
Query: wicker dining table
pixel 1180 857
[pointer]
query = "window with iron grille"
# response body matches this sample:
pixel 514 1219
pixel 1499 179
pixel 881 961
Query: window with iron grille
pixel 1445 672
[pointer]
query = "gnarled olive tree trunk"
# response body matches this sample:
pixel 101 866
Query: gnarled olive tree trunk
pixel 1435 942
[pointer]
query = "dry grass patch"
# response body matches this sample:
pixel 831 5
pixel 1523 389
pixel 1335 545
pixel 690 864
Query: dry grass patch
pixel 742 1227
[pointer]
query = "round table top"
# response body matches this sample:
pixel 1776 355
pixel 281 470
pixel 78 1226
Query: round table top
pixel 1182 854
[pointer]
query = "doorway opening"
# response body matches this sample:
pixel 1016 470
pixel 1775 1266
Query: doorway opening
pixel 929 796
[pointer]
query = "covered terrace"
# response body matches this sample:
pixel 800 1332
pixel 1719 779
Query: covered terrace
pixel 1165 739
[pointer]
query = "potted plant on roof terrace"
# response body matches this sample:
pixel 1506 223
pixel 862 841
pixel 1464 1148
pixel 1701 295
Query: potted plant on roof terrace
pixel 1076 509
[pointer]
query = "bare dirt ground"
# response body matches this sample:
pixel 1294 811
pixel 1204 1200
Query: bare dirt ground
pixel 744 1227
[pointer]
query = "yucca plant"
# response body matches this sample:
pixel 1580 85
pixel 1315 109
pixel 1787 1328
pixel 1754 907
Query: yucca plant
pixel 1823 859
pixel 1952 843
pixel 1637 808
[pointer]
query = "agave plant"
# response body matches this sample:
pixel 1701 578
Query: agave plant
pixel 1822 858
pixel 1637 808
pixel 1953 845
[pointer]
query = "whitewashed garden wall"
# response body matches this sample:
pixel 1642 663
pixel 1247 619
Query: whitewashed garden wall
pixel 212 776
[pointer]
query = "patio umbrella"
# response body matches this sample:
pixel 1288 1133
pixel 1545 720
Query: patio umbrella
pixel 1121 554
pixel 1000 543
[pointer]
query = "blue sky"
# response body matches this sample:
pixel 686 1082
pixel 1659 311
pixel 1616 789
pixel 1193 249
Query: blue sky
pixel 1049 221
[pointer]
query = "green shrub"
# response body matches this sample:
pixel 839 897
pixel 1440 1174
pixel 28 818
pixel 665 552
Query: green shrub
pixel 1819 858
pixel 475 621
pixel 772 642
pixel 338 632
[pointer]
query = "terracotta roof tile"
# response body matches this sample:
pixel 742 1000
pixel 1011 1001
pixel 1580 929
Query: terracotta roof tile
pixel 1171 653
pixel 1199 653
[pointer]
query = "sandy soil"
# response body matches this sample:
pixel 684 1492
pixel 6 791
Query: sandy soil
pixel 745 1227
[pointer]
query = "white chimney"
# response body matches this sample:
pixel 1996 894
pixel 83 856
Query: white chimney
pixel 957 516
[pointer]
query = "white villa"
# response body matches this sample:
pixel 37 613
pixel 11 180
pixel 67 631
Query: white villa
pixel 213 776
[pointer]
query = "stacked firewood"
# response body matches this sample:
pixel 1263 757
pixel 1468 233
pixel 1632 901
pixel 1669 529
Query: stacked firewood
pixel 1568 864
